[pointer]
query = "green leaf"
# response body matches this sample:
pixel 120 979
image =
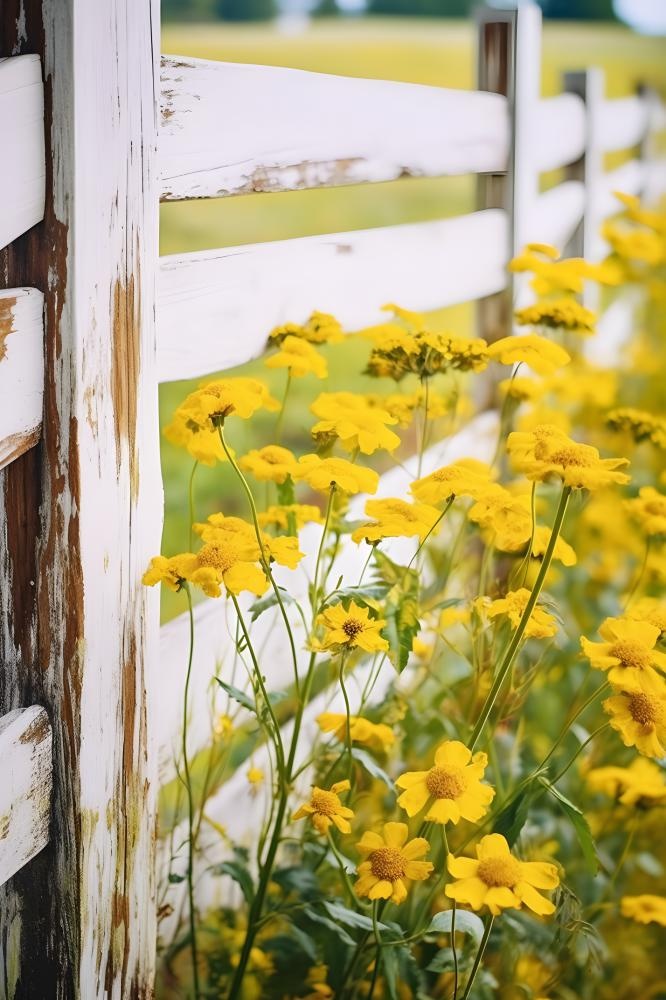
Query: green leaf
pixel 240 875
pixel 466 923
pixel 579 824
pixel 389 571
pixel 351 918
pixel 258 607
pixel 238 695
pixel 402 620
pixel 513 817
pixel 371 766
pixel 339 932
pixel 367 595
pixel 176 879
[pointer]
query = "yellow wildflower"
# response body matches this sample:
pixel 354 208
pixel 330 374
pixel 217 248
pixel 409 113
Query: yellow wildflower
pixel 325 808
pixel 351 627
pixel 278 516
pixel 202 443
pixel 210 405
pixel 466 477
pixel 628 654
pixel 391 860
pixel 558 314
pixel 376 735
pixel 300 357
pixel 649 509
pixel 642 783
pixel 542 356
pixel 452 786
pixel 255 776
pixel 172 571
pixel 500 881
pixel 320 328
pixel 223 727
pixel 395 518
pixel 455 615
pixel 402 406
pixel 220 530
pixel 634 245
pixel 645 909
pixel 651 610
pixel 522 388
pixel 642 426
pixel 640 719
pixel 272 463
pixel 541 625
pixel 323 473
pixel 347 416
pixel 547 451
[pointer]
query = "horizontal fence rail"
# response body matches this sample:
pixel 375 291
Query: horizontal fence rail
pixel 25 789
pixel 228 128
pixel 21 371
pixel 22 163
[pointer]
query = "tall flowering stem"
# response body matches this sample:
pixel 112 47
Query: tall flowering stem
pixel 190 804
pixel 514 645
pixel 479 956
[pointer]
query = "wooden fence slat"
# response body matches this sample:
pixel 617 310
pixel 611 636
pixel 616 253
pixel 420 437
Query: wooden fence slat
pixel 22 163
pixel 556 214
pixel 559 131
pixel 215 309
pixel 623 123
pixel 25 789
pixel 229 128
pixel 21 371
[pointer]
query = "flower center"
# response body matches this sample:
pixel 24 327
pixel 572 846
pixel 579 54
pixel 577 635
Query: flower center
pixel 569 456
pixel 351 627
pixel 326 803
pixel 445 784
pixel 387 863
pixel 631 654
pixel 645 710
pixel 503 871
pixel 221 556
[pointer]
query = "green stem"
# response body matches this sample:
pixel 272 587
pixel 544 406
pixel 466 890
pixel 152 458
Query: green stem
pixel 348 740
pixel 320 551
pixel 280 420
pixel 262 548
pixel 343 871
pixel 512 649
pixel 479 956
pixel 454 950
pixel 579 752
pixel 190 499
pixel 190 806
pixel 378 955
pixel 441 517
pixel 425 382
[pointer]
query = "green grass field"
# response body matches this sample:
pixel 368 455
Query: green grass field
pixel 438 53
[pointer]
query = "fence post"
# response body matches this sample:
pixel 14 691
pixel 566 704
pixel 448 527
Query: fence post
pixel 81 513
pixel 509 63
pixel 589 85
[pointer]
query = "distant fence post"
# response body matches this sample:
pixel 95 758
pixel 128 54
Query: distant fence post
pixel 80 514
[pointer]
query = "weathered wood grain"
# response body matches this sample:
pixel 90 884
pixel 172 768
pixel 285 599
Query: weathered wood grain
pixel 228 128
pixel 215 309
pixel 21 371
pixel 22 163
pixel 81 519
pixel 25 791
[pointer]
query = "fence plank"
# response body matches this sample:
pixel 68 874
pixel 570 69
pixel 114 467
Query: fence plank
pixel 21 371
pixel 557 213
pixel 22 163
pixel 78 631
pixel 25 791
pixel 558 137
pixel 622 123
pixel 228 128
pixel 227 301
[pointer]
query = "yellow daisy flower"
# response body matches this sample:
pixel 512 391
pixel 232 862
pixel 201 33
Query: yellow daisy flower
pixel 347 416
pixel 641 425
pixel 272 463
pixel 649 509
pixel 351 627
pixel 500 881
pixel 558 314
pixel 541 625
pixel 452 786
pixel 278 516
pixel 391 860
pixel 522 388
pixel 651 610
pixel 642 783
pixel 325 808
pixel 542 356
pixel 645 909
pixel 300 357
pixel 547 451
pixel 255 776
pixel 323 473
pixel 467 477
pixel 395 518
pixel 220 529
pixel 202 443
pixel 628 654
pixel 210 405
pixel 640 719
pixel 320 328
pixel 376 735
pixel 172 571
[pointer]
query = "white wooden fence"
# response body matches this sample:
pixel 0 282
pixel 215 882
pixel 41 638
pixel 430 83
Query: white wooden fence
pixel 91 320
